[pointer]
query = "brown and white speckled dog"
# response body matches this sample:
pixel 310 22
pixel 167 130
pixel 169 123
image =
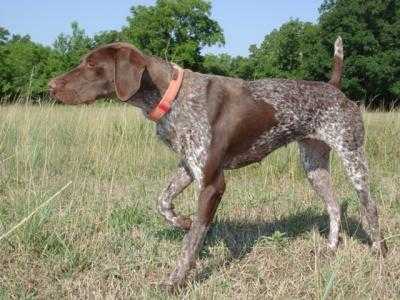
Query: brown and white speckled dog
pixel 218 123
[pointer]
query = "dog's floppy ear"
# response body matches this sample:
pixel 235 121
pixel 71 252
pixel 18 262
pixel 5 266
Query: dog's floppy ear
pixel 129 67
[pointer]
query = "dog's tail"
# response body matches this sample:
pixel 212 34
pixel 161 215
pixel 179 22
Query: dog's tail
pixel 337 64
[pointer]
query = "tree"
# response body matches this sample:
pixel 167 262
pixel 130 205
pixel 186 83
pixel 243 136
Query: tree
pixel 73 47
pixel 326 5
pixel 174 30
pixel 107 37
pixel 4 34
pixel 226 65
pixel 371 32
pixel 24 68
pixel 218 64
pixel 292 51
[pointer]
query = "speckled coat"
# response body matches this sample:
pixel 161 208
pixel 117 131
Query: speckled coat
pixel 218 123
pixel 317 115
pixel 303 109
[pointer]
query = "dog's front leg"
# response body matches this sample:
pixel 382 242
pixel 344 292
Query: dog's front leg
pixel 212 183
pixel 209 199
pixel 179 181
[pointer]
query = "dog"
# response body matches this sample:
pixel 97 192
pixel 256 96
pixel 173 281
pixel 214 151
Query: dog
pixel 215 123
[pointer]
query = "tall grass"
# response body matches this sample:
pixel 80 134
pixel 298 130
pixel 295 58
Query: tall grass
pixel 103 238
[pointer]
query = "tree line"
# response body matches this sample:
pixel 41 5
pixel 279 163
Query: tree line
pixel 177 30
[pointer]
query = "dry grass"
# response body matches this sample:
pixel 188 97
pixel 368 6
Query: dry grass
pixel 102 237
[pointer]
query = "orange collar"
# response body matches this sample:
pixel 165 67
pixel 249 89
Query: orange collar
pixel 164 105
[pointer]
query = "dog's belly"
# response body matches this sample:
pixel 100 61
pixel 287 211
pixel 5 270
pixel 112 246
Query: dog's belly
pixel 277 137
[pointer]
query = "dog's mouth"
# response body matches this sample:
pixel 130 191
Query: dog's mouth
pixel 70 97
pixel 63 95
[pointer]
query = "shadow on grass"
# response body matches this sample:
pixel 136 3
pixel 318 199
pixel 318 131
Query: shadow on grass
pixel 240 236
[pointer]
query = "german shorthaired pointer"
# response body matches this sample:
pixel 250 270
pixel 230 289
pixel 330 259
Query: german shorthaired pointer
pixel 216 123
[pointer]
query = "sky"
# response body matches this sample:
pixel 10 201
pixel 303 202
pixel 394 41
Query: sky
pixel 244 22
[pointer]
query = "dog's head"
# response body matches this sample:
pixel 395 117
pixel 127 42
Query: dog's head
pixel 116 67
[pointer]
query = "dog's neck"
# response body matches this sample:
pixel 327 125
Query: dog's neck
pixel 155 81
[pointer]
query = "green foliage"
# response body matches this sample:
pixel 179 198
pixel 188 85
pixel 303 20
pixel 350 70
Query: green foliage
pixel 174 30
pixel 218 64
pixel 178 30
pixel 371 32
pixel 107 37
pixel 226 65
pixel 299 50
pixel 25 67
pixel 4 34
pixel 326 5
pixel 73 47
pixel 293 51
pixel 277 239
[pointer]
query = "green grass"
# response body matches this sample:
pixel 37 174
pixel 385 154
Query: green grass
pixel 102 237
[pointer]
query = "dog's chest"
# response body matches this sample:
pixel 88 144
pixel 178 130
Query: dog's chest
pixel 186 129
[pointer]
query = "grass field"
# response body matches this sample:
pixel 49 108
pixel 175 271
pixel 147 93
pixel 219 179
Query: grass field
pixel 101 237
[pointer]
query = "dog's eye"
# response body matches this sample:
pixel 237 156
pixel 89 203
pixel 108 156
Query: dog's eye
pixel 91 63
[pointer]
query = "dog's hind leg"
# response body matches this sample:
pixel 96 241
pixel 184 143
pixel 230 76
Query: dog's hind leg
pixel 345 134
pixel 356 167
pixel 179 181
pixel 315 159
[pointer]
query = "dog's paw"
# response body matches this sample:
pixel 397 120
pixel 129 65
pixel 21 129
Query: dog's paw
pixel 183 223
pixel 379 248
pixel 333 245
pixel 168 287
pixel 175 281
pixel 329 252
pixel 325 252
pixel 171 287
